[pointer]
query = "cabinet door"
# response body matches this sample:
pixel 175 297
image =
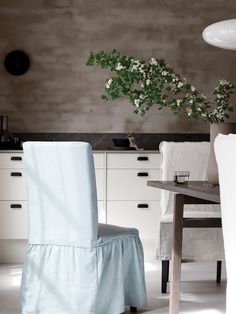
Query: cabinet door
pixel 143 215
pixel 131 184
pixel 11 160
pixel 13 220
pixel 133 160
pixel 12 184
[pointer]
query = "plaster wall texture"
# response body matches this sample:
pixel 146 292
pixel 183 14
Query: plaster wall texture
pixel 60 94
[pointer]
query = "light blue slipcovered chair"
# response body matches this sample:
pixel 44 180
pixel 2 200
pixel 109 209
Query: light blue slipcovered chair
pixel 73 264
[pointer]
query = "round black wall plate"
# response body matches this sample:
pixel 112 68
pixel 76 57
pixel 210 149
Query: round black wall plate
pixel 17 62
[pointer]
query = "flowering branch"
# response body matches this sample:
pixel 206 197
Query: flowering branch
pixel 155 82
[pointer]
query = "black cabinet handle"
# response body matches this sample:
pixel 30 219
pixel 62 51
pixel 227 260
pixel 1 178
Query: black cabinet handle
pixel 16 174
pixel 142 158
pixel 142 206
pixel 16 206
pixel 142 174
pixel 16 158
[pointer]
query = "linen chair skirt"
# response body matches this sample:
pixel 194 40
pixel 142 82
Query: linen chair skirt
pixel 199 244
pixel 103 279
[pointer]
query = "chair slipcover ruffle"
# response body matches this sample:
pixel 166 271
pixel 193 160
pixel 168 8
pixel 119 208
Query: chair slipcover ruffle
pixel 66 279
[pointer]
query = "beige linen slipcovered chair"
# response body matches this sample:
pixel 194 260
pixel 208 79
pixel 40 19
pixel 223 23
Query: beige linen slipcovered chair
pixel 199 244
pixel 225 150
pixel 73 264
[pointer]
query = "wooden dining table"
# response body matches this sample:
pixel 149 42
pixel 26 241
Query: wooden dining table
pixel 195 192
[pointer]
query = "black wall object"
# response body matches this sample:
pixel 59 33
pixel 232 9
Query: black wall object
pixel 17 62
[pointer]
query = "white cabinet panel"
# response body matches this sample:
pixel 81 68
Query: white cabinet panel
pixel 13 220
pixel 11 160
pixel 12 184
pixel 130 184
pixel 101 212
pixel 133 161
pixel 98 160
pixel 128 214
pixel 100 184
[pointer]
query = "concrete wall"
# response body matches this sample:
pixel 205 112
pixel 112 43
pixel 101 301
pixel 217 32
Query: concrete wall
pixel 61 94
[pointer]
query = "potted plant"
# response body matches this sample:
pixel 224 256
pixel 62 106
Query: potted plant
pixel 156 83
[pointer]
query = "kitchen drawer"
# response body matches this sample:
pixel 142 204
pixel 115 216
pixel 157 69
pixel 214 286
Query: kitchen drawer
pixel 13 220
pixel 127 185
pixel 98 160
pixel 11 160
pixel 101 212
pixel 12 186
pixel 100 184
pixel 133 161
pixel 142 215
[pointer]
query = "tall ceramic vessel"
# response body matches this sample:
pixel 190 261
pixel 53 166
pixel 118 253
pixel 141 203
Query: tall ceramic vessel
pixel 215 129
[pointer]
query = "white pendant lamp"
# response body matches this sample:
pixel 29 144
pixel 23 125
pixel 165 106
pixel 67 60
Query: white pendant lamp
pixel 221 34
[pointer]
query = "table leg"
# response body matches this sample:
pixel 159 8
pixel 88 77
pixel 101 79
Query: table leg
pixel 176 254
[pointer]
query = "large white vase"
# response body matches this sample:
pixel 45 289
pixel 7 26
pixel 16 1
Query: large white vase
pixel 215 129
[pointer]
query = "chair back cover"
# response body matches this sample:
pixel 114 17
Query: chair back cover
pixel 62 195
pixel 225 150
pixel 186 156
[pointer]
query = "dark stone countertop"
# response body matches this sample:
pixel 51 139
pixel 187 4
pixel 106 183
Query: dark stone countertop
pixel 103 141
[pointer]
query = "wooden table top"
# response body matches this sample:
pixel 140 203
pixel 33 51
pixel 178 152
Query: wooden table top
pixel 199 189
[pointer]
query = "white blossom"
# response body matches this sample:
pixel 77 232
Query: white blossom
pixel 141 96
pixel 178 102
pixel 175 78
pixel 153 61
pixel 108 84
pixel 180 84
pixel 224 82
pixel 164 73
pixel 148 82
pixel 189 112
pixel 136 102
pixel 193 88
pixel 120 67
pixel 134 67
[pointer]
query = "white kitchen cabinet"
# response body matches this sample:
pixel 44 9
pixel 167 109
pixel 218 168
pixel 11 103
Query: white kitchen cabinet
pixel 133 160
pixel 130 202
pixel 123 195
pixel 131 184
pixel 13 196
pixel 11 160
pixel 12 184
pixel 13 220
pixel 143 215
